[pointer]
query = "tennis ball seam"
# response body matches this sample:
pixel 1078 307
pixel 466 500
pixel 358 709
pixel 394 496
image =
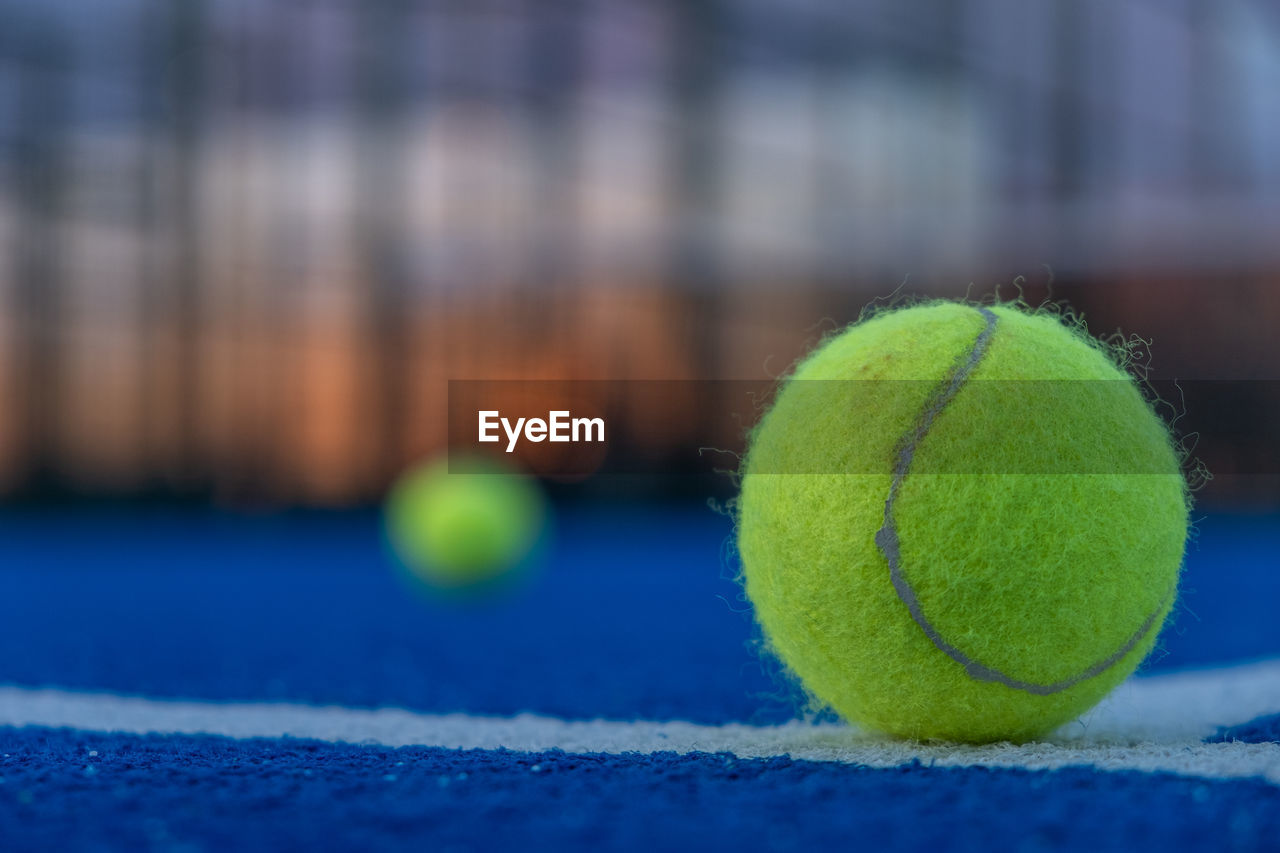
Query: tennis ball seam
pixel 886 540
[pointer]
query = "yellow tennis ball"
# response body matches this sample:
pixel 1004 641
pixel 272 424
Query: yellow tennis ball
pixel 961 522
pixel 464 521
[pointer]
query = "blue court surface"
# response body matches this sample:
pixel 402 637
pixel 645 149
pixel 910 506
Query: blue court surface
pixel 199 681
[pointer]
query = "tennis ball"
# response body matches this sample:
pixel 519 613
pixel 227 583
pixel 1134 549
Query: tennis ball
pixel 463 521
pixel 961 522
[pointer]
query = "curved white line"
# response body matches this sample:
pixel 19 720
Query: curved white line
pixel 1149 724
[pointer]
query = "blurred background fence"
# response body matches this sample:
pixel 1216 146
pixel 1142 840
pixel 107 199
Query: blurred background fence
pixel 244 244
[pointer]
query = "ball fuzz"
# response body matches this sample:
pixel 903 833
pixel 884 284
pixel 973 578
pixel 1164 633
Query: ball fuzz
pixel 463 522
pixel 961 522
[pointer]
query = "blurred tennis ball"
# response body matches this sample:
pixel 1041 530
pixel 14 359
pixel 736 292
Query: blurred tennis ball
pixel 464 521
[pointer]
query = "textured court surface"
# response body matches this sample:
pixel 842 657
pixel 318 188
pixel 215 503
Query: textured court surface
pixel 309 699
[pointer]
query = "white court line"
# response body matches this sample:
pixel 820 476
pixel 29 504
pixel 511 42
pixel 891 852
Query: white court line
pixel 1149 724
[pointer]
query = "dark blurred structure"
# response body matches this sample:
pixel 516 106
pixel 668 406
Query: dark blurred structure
pixel 245 243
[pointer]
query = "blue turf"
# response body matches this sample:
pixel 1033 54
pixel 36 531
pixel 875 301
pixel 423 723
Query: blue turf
pixel 633 615
pixel 194 793
pixel 1262 730
pixel 630 616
